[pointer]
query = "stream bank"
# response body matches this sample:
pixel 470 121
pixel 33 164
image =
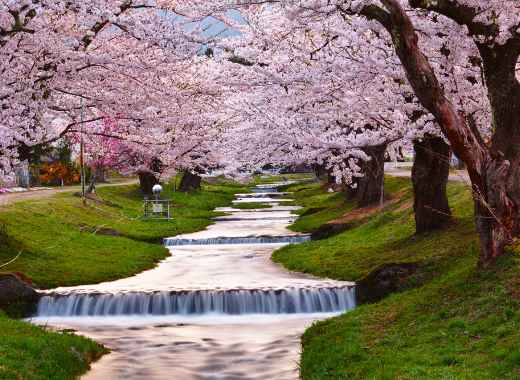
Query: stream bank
pixel 217 307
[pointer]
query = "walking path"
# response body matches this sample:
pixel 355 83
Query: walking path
pixel 9 198
pixel 405 171
pixel 217 308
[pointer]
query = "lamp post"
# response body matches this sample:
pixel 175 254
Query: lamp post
pixel 157 208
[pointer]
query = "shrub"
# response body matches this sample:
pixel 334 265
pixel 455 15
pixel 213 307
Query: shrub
pixel 57 172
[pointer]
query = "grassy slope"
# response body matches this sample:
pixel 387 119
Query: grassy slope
pixel 455 322
pixel 59 247
pixel 318 206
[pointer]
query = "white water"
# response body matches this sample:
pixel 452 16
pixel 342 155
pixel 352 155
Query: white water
pixel 217 308
pixel 234 302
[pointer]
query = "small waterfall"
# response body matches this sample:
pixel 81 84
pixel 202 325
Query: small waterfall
pixel 233 302
pixel 262 195
pixel 264 210
pixel 260 190
pixel 170 242
pixel 289 219
pixel 262 200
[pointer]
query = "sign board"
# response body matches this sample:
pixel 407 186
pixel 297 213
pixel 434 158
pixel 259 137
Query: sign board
pixel 157 208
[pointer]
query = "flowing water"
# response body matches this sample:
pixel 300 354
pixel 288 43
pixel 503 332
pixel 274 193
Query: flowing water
pixel 217 308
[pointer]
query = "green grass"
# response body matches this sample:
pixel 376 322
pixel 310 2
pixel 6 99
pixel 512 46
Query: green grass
pixel 454 321
pixel 319 206
pixel 65 243
pixel 31 352
pixel 250 205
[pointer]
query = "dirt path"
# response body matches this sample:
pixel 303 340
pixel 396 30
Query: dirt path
pixel 6 199
pixel 406 172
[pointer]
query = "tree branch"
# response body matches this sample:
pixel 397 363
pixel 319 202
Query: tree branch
pixel 426 86
pixel 460 13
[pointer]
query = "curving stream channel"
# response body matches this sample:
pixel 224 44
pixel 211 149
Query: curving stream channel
pixel 217 308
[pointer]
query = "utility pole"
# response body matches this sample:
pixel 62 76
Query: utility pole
pixel 81 158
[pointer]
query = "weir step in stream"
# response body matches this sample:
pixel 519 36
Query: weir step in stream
pixel 217 308
pixel 171 242
pixel 199 302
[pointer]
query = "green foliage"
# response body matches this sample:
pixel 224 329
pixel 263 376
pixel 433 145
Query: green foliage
pixel 66 243
pixel 454 322
pixel 31 352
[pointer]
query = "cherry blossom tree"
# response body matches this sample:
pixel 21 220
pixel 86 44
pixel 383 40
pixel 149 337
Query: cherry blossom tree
pixel 66 63
pixel 299 111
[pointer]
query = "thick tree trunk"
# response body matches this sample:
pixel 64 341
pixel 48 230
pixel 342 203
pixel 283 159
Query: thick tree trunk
pixel 502 170
pixel 190 182
pixel 100 174
pixel 371 186
pixel 147 180
pixel 319 170
pixel 430 173
pixel 92 184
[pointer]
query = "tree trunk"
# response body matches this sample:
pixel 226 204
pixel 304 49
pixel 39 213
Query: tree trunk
pixel 92 184
pixel 319 170
pixel 371 186
pixel 496 213
pixel 190 182
pixel 97 176
pixel 100 173
pixel 147 180
pixel 351 192
pixel 429 176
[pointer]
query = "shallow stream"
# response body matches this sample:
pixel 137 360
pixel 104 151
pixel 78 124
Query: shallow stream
pixel 217 308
